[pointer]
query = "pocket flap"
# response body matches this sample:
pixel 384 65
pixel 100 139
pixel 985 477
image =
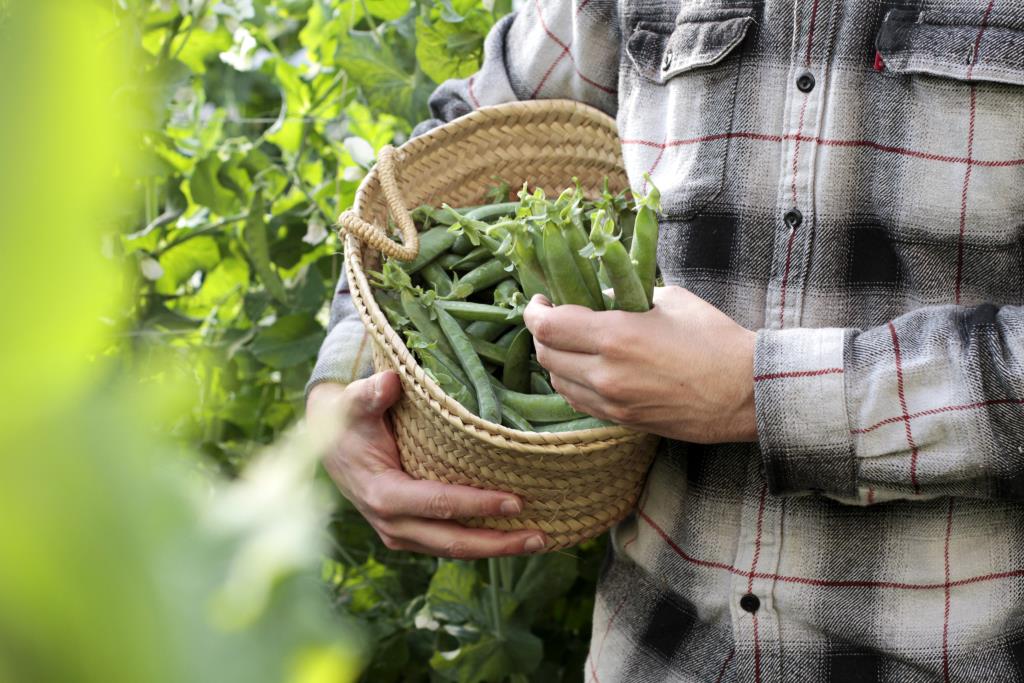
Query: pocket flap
pixel 945 44
pixel 701 37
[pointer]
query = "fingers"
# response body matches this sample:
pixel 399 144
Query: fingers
pixel 394 494
pixel 448 539
pixel 371 397
pixel 578 367
pixel 580 397
pixel 567 327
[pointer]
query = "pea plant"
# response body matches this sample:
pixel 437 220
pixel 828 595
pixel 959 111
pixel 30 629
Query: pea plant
pixel 259 120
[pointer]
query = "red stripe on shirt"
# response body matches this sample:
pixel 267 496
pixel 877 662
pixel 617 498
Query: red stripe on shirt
pixel 566 51
pixel 798 373
pixel 936 411
pixel 903 406
pixel 945 618
pixel 829 142
pixel 828 583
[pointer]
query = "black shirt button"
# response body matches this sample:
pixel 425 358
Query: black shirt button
pixel 793 218
pixel 805 83
pixel 750 603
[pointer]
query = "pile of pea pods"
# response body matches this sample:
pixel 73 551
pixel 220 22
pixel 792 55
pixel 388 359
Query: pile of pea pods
pixel 459 304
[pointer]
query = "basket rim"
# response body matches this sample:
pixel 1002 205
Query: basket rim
pixel 394 347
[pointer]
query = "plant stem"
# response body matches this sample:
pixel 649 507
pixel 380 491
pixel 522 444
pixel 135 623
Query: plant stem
pixel 507 573
pixel 191 27
pixel 213 227
pixel 493 570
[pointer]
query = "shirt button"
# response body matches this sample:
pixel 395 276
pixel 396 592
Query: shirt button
pixel 793 218
pixel 805 82
pixel 750 603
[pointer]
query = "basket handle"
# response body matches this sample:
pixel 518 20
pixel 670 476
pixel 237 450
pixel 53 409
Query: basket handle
pixel 368 233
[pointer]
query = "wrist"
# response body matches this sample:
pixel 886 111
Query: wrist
pixel 744 423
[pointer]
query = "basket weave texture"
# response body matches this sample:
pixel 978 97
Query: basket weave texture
pixel 574 485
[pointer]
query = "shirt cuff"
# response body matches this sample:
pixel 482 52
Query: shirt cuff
pixel 802 421
pixel 345 355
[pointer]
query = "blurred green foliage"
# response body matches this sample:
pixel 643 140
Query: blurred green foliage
pixel 121 559
pixel 262 119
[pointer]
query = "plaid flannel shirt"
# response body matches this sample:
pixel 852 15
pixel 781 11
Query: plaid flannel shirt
pixel 848 179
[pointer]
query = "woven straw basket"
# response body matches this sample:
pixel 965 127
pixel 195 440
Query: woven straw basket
pixel 575 484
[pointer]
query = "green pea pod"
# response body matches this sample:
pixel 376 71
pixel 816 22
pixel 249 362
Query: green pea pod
pixel 418 314
pixel 488 331
pixel 451 365
pixel 550 408
pixel 433 243
pixel 462 245
pixel 452 386
pixel 437 277
pixel 563 278
pixel 574 425
pixel 447 260
pixel 487 400
pixel 482 277
pixel 629 291
pixel 516 373
pixel 627 226
pixel 467 310
pixel 519 247
pixel 576 237
pixel 428 215
pixel 514 420
pixel 539 385
pixel 488 350
pixel 505 340
pixel 644 249
pixel 474 258
pixel 491 211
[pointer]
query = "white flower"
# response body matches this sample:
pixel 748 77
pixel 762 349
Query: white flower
pixel 352 174
pixel 151 269
pixel 242 54
pixel 241 10
pixel 316 231
pixel 360 150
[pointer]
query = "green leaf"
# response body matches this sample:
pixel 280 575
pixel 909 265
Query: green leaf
pixel 181 262
pixel 223 287
pixel 255 236
pixel 451 47
pixel 545 578
pixel 388 84
pixel 490 658
pixel 200 47
pixel 388 10
pixel 291 340
pixel 453 592
pixel 207 189
pixel 377 130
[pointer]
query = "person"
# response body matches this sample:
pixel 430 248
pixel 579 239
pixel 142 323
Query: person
pixel 836 364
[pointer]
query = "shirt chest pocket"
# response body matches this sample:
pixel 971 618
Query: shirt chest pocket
pixel 676 111
pixel 958 90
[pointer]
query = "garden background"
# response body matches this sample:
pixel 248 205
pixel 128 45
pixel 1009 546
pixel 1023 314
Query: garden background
pixel 173 171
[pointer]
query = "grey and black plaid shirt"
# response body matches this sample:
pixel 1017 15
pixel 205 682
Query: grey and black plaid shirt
pixel 848 178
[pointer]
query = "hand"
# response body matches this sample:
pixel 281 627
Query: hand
pixel 408 514
pixel 683 370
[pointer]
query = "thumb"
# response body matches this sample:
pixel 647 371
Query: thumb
pixel 371 397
